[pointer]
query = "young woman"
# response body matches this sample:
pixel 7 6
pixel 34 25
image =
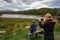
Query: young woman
pixel 48 26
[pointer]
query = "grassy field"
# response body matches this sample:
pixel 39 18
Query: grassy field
pixel 16 29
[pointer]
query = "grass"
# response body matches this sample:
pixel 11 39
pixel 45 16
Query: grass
pixel 16 31
pixel 57 35
pixel 22 35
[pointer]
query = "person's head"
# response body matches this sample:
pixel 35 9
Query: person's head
pixel 33 21
pixel 48 16
pixel 42 19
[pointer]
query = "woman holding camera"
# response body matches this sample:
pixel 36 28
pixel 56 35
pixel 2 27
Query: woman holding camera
pixel 48 26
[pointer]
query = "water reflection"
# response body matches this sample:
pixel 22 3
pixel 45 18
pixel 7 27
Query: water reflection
pixel 20 16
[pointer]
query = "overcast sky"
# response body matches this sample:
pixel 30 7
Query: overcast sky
pixel 18 5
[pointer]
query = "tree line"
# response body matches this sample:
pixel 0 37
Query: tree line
pixel 41 11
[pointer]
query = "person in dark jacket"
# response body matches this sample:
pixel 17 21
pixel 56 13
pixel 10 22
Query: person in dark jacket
pixel 33 26
pixel 41 22
pixel 49 25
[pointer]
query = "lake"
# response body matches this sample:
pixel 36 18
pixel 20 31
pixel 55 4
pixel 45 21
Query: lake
pixel 20 16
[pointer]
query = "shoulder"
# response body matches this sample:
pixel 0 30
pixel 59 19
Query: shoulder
pixel 52 21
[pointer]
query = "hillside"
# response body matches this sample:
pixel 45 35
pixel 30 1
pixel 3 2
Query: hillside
pixel 42 11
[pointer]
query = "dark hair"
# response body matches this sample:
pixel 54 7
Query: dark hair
pixel 42 19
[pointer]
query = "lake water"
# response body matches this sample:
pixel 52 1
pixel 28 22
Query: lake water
pixel 20 16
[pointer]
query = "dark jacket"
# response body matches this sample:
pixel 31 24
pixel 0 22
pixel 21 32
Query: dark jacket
pixel 49 29
pixel 49 25
pixel 40 24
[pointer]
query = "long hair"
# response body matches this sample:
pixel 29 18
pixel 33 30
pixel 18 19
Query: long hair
pixel 48 16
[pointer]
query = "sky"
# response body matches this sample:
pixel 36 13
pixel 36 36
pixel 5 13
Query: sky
pixel 20 5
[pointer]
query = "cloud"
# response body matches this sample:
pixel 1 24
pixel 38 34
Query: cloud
pixel 19 5
pixel 8 1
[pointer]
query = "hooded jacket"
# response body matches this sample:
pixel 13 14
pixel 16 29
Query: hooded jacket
pixel 33 27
